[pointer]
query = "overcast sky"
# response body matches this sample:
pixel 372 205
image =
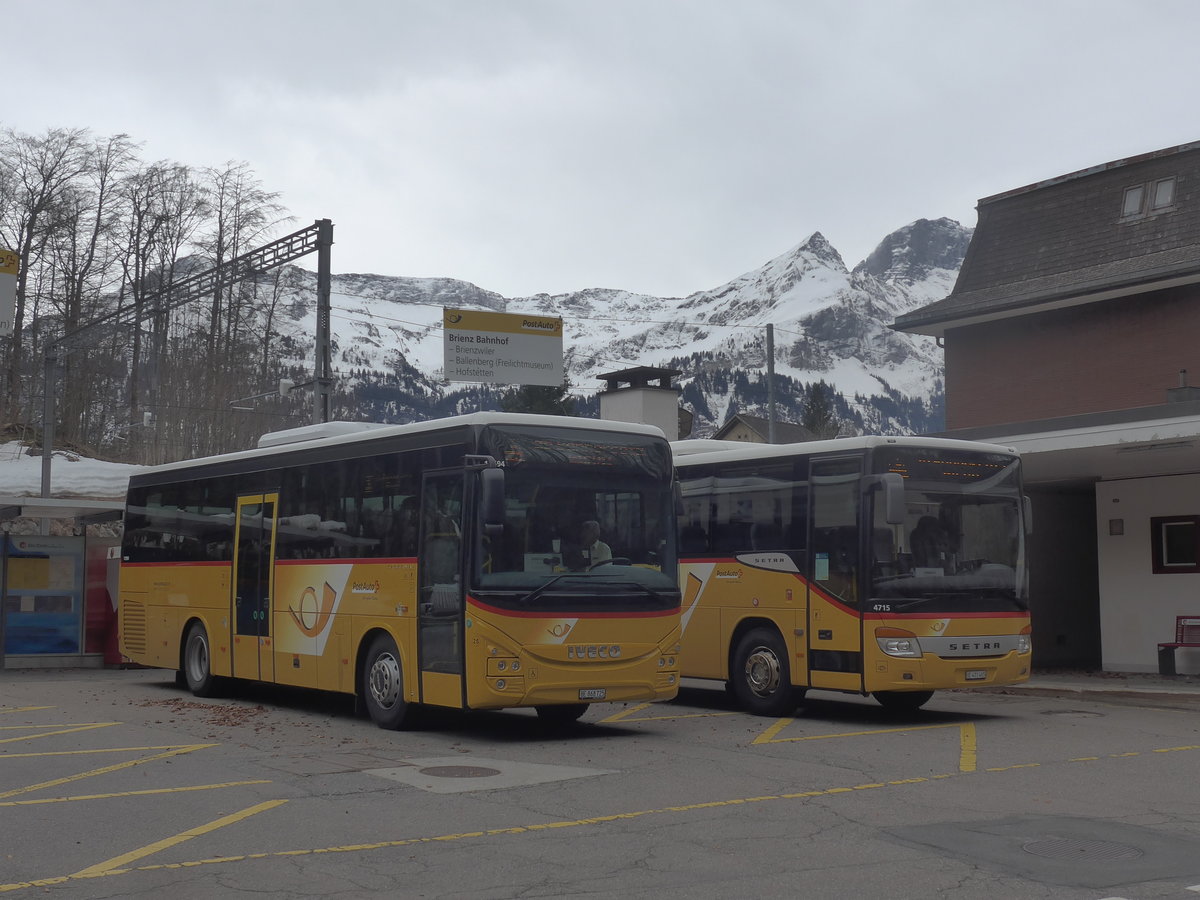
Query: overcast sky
pixel 660 146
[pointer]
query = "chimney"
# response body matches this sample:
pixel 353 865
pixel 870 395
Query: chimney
pixel 1184 393
pixel 632 397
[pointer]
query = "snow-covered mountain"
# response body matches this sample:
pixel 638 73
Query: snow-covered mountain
pixel 831 326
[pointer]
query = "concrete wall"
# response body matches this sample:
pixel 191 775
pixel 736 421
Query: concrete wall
pixel 1137 607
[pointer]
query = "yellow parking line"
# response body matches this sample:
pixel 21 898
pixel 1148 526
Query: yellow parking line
pixel 142 793
pixel 12 709
pixel 967 753
pixel 103 771
pixel 768 736
pixel 617 717
pixel 61 730
pixel 711 715
pixel 92 751
pixel 115 865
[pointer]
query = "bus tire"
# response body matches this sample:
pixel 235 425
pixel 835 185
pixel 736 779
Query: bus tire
pixel 561 714
pixel 761 677
pixel 383 684
pixel 902 701
pixel 197 662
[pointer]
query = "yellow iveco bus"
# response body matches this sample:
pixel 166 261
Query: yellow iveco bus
pixel 437 563
pixel 893 567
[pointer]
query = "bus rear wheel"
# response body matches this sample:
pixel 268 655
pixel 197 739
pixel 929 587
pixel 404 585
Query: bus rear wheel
pixel 561 714
pixel 383 684
pixel 902 701
pixel 197 662
pixel 761 678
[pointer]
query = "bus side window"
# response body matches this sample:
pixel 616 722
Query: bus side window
pixel 693 539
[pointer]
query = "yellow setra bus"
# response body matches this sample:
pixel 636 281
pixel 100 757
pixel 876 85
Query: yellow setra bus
pixel 438 563
pixel 893 567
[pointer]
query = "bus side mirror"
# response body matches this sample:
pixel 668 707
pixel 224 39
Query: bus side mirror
pixel 491 501
pixel 892 485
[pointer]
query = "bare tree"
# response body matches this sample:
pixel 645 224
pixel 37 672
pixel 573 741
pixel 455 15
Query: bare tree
pixel 39 171
pixel 82 253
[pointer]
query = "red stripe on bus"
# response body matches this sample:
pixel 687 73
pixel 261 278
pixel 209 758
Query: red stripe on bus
pixel 948 615
pixel 349 560
pixel 650 614
pixel 147 565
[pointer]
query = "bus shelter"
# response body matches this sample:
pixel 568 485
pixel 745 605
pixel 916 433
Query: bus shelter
pixel 57 591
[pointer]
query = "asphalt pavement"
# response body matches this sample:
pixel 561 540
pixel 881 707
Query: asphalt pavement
pixel 1097 685
pixel 1050 682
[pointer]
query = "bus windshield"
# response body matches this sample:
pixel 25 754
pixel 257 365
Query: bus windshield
pixel 588 525
pixel 961 546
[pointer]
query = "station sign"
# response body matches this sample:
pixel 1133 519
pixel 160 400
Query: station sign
pixel 502 348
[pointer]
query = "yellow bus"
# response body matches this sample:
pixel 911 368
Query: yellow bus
pixel 437 563
pixel 892 567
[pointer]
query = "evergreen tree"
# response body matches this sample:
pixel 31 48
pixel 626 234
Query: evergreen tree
pixel 819 416
pixel 550 400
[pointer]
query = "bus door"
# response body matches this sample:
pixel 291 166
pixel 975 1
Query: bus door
pixel 253 586
pixel 440 589
pixel 834 616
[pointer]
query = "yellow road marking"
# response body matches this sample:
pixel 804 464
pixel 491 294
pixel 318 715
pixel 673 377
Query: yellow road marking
pixel 61 729
pixel 617 717
pixel 140 793
pixel 623 714
pixel 768 736
pixel 12 709
pixel 711 715
pixel 117 863
pixel 95 750
pixel 966 756
pixel 111 867
pixel 104 771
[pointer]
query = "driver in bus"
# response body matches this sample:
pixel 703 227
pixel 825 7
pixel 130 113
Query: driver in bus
pixel 931 544
pixel 591 549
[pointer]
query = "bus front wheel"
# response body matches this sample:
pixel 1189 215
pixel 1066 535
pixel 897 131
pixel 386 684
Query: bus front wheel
pixel 761 679
pixel 902 701
pixel 383 684
pixel 197 662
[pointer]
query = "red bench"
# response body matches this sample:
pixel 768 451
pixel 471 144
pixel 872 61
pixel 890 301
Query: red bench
pixel 1187 634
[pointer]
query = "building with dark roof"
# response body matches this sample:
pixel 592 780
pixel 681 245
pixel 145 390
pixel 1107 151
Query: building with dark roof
pixel 757 430
pixel 1070 335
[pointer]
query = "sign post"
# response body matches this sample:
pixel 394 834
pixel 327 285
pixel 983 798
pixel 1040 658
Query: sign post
pixel 8 290
pixel 502 348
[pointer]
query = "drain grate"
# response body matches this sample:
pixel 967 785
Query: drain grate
pixel 459 771
pixel 1066 848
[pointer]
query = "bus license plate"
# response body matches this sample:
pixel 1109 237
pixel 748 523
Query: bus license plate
pixel 976 674
pixel 592 693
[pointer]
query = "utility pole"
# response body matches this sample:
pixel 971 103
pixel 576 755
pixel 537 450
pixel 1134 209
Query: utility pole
pixel 770 384
pixel 323 366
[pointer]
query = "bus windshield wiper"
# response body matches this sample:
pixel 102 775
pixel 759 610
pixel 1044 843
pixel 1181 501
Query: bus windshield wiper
pixel 542 588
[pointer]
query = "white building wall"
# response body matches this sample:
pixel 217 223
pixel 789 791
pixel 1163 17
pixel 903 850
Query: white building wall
pixel 1137 607
pixel 647 406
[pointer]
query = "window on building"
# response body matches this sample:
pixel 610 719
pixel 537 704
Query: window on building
pixel 1141 200
pixel 1164 194
pixel 1175 543
pixel 1134 198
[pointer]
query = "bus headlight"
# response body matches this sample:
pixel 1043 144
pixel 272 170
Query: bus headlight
pixel 898 642
pixel 1023 643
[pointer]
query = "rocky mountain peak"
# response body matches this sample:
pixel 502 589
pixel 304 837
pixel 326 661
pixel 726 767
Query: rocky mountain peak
pixel 910 253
